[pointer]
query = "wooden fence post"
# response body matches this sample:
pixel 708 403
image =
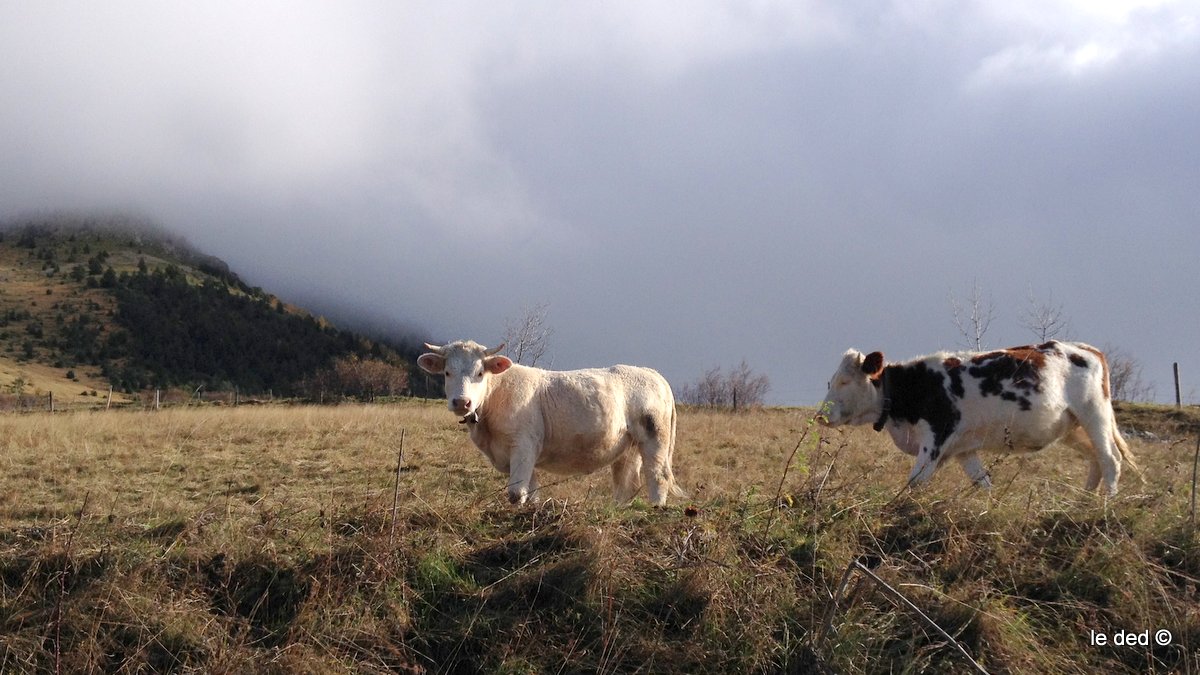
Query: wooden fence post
pixel 51 401
pixel 109 404
pixel 1178 398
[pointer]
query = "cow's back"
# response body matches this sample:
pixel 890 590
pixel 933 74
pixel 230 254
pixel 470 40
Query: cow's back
pixel 600 400
pixel 646 390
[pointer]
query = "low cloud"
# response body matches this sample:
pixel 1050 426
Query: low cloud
pixel 686 184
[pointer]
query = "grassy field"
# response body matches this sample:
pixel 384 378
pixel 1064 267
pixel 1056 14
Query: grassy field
pixel 264 539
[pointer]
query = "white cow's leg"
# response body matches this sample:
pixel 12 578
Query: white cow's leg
pixel 973 467
pixel 1094 475
pixel 625 470
pixel 520 474
pixel 534 496
pixel 654 443
pixel 656 482
pixel 656 474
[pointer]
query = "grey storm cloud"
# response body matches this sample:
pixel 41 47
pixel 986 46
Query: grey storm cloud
pixel 686 184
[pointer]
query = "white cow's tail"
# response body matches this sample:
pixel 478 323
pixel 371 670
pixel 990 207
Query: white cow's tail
pixel 674 488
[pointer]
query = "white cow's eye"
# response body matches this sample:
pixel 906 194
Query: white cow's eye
pixel 479 374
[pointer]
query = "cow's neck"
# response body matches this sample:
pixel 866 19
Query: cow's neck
pixel 885 400
pixel 481 436
pixel 480 415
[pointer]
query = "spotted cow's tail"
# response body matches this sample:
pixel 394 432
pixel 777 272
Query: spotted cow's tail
pixel 1126 454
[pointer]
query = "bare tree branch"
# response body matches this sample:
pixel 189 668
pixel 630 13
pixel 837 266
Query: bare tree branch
pixel 527 337
pixel 1125 376
pixel 973 320
pixel 742 388
pixel 746 388
pixel 1045 320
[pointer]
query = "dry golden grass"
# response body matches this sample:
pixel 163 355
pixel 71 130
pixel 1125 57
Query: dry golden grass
pixel 139 466
pixel 263 539
pixel 41 380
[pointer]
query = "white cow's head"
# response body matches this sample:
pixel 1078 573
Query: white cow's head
pixel 467 366
pixel 853 398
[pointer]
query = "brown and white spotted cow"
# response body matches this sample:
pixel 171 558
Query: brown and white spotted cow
pixel 955 404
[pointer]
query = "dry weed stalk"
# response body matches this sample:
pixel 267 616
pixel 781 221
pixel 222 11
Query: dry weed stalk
pixel 857 566
pixel 396 490
pixel 783 477
pixel 62 586
pixel 1195 464
pixel 816 494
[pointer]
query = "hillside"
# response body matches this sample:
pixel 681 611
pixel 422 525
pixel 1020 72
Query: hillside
pixel 88 303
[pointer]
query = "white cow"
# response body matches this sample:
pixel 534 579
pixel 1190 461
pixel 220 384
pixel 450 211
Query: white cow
pixel 952 405
pixel 565 422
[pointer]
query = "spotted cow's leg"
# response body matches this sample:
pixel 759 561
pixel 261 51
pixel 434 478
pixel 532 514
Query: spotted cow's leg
pixel 926 464
pixel 1106 460
pixel 973 467
pixel 1079 440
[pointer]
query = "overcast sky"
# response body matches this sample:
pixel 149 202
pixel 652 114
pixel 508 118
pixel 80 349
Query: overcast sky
pixel 686 184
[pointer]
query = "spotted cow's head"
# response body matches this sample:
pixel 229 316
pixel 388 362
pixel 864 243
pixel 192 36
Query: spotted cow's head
pixel 853 397
pixel 467 366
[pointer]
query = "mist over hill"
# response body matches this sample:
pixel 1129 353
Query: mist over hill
pixel 121 300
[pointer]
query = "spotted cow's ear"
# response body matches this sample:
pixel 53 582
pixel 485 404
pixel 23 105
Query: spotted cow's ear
pixel 433 364
pixel 873 364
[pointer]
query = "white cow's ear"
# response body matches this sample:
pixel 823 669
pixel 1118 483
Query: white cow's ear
pixel 497 364
pixel 432 363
